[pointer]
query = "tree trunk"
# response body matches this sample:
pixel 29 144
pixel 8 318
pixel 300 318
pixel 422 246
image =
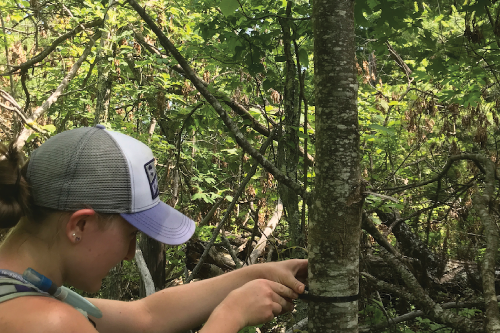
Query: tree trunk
pixel 104 81
pixel 484 203
pixel 155 258
pixel 288 146
pixel 335 225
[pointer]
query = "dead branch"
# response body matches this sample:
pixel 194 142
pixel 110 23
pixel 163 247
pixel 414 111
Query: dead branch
pixel 271 225
pixel 473 157
pixel 143 269
pixel 17 109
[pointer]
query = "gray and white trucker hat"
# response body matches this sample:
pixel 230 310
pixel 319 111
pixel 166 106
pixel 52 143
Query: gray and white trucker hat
pixel 109 172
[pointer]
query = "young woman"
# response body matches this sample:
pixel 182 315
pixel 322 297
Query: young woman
pixel 75 209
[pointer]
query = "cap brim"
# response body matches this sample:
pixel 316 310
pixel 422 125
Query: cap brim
pixel 163 223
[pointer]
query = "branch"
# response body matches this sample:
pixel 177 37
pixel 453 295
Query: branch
pixel 419 313
pixel 399 61
pixel 385 197
pixel 17 109
pixel 25 133
pixel 210 213
pixel 42 55
pixel 473 157
pixel 230 124
pixel 368 225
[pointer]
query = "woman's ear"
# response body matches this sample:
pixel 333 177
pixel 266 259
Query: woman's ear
pixel 79 222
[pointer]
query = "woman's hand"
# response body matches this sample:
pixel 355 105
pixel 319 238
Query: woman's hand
pixel 254 303
pixel 291 273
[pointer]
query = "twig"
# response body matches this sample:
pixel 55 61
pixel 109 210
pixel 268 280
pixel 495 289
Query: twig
pixel 210 213
pixel 451 160
pixel 227 245
pixel 385 197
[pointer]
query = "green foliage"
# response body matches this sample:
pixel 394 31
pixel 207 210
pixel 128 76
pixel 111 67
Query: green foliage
pixel 250 329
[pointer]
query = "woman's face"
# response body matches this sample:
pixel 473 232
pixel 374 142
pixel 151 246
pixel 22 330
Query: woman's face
pixel 99 250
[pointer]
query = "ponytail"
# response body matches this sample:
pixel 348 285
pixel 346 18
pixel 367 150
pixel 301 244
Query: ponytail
pixel 15 197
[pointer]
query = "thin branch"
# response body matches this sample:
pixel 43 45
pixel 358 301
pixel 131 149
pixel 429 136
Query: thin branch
pixel 236 107
pixel 210 213
pixel 422 299
pixel 271 15
pixel 385 197
pixel 6 45
pixel 451 160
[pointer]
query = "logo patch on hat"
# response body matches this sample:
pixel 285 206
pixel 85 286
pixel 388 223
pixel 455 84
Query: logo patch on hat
pixel 152 178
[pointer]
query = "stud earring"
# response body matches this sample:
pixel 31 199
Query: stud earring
pixel 76 237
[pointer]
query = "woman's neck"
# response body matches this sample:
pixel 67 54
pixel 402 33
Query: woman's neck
pixel 21 250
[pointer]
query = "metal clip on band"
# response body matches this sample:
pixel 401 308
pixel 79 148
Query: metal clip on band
pixel 308 297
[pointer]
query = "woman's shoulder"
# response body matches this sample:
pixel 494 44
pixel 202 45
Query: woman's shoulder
pixel 41 314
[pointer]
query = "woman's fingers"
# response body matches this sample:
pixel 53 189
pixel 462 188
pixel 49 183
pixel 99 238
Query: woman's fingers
pixel 283 296
pixel 283 290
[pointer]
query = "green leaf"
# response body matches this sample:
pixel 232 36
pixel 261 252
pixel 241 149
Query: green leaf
pixel 255 69
pixel 268 84
pixel 228 7
pixel 229 198
pixel 49 128
pixel 304 58
pixel 302 135
pixel 199 195
pixel 382 129
pixel 280 58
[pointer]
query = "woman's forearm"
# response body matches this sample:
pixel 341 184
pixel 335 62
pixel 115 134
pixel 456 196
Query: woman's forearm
pixel 174 309
pixel 258 292
pixel 183 307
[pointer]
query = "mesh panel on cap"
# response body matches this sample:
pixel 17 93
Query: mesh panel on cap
pixel 80 168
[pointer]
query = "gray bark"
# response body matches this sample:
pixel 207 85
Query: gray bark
pixel 335 225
